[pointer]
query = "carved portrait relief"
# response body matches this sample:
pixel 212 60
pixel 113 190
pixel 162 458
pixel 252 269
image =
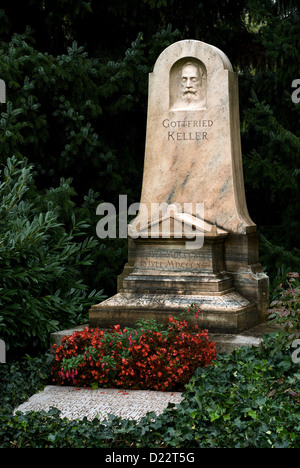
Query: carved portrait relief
pixel 188 84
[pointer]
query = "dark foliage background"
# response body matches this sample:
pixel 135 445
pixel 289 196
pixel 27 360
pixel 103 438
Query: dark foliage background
pixel 77 82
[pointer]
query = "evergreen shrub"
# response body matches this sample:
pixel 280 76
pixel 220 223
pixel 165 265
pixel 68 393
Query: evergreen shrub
pixel 41 261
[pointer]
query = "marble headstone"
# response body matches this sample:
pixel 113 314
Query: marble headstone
pixel 192 183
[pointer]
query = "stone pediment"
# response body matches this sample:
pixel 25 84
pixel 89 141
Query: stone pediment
pixel 174 224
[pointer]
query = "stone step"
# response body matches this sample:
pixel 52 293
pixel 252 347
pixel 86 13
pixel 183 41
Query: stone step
pixel 225 343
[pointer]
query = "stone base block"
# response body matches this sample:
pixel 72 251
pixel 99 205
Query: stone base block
pixel 225 342
pixel 230 313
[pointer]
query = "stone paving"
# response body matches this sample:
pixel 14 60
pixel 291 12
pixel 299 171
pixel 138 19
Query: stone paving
pixel 77 403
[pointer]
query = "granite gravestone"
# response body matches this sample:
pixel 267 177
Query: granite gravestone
pixel 193 240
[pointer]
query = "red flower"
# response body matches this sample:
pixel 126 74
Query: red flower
pixel 153 361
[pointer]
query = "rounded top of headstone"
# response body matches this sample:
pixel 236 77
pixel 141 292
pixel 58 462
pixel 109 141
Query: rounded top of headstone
pixel 207 53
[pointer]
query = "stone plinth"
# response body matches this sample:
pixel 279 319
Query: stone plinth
pixel 167 278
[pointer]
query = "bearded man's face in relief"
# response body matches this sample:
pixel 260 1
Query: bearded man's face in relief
pixel 190 83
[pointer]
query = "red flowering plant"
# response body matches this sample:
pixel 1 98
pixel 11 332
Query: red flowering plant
pixel 149 357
